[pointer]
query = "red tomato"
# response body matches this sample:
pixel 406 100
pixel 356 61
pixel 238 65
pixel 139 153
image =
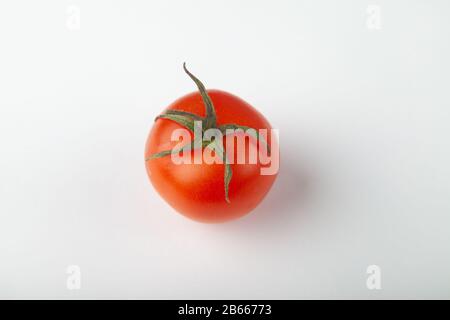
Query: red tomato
pixel 197 190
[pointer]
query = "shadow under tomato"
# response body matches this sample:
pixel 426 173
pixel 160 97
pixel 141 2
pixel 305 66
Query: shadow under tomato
pixel 284 206
pixel 284 203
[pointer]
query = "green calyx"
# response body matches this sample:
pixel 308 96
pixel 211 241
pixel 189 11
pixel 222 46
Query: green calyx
pixel 187 120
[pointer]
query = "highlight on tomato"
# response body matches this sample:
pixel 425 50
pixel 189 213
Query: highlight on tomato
pixel 211 155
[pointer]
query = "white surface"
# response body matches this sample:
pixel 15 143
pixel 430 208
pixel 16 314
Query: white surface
pixel 364 114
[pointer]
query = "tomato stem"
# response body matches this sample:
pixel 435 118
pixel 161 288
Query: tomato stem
pixel 187 119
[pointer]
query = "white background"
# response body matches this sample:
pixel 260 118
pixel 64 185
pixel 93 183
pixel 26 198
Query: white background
pixel 363 116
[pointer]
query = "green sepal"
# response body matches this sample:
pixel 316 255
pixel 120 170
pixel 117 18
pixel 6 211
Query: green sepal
pixel 186 147
pixel 228 172
pixel 210 120
pixel 184 113
pixel 184 121
pixel 254 133
pixel 169 152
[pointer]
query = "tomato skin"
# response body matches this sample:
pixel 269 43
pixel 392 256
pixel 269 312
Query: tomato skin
pixel 197 190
